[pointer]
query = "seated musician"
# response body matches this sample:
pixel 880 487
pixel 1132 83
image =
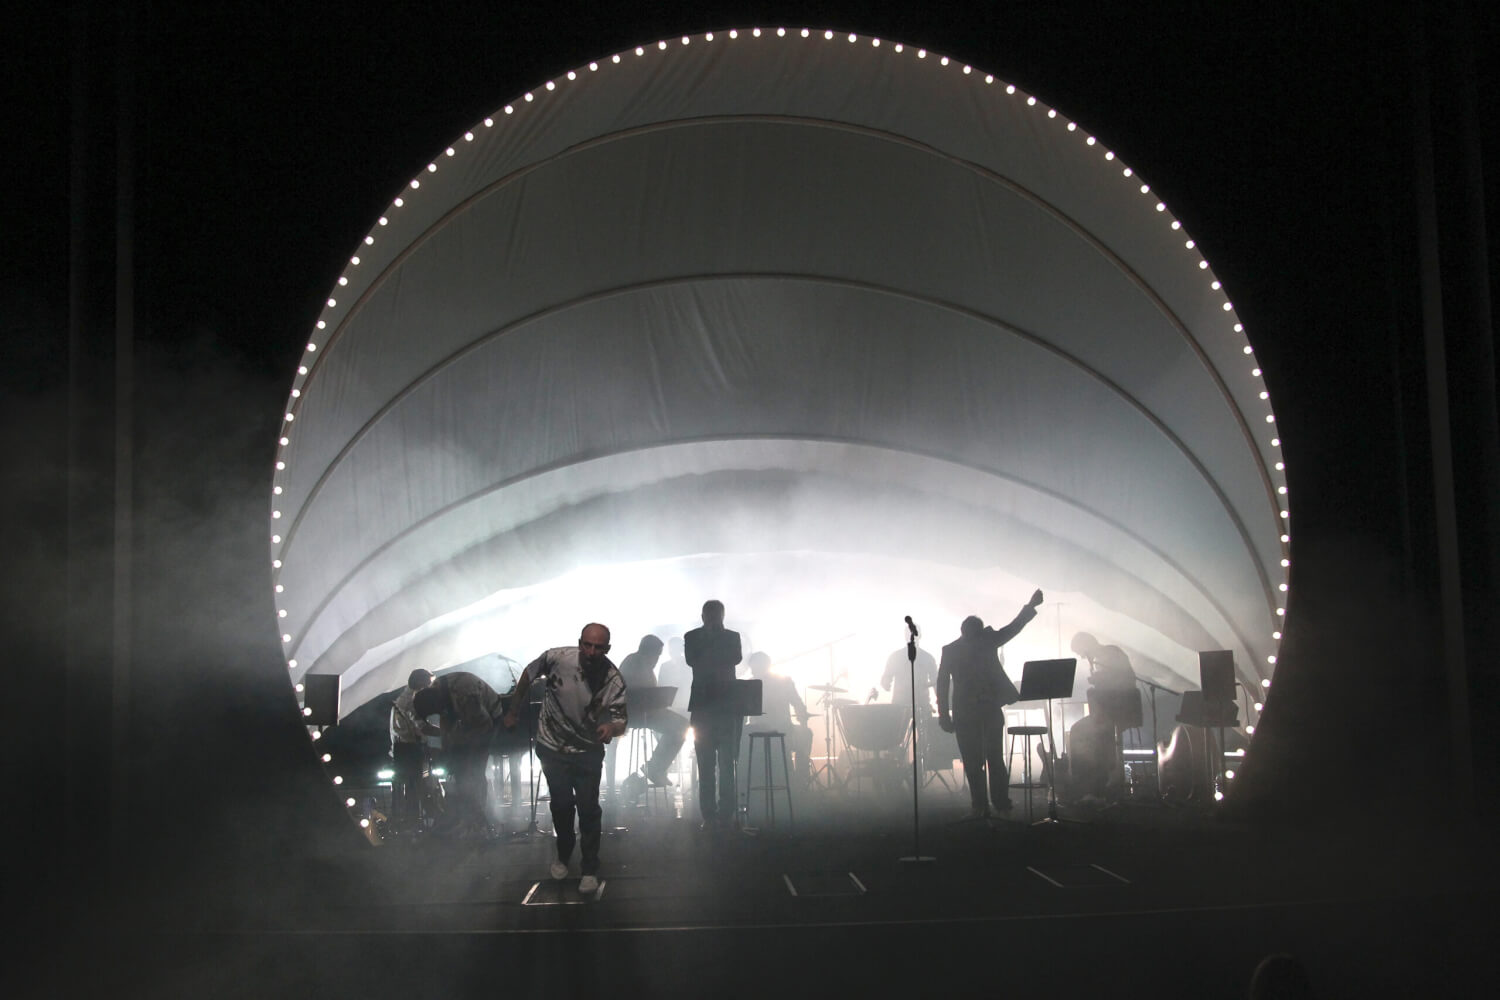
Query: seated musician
pixel 639 671
pixel 778 700
pixel 1114 706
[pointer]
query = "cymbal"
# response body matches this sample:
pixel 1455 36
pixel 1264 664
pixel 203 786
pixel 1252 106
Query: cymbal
pixel 827 687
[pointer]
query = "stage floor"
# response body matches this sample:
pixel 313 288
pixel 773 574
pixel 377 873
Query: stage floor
pixel 1136 899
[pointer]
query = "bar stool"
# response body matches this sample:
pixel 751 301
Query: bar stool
pixel 1027 734
pixel 642 745
pixel 768 787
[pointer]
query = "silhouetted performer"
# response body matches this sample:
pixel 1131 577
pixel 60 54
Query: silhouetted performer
pixel 582 710
pixel 467 709
pixel 675 672
pixel 713 652
pixel 1096 765
pixel 778 700
pixel 409 758
pixel 897 679
pixel 980 692
pixel 639 671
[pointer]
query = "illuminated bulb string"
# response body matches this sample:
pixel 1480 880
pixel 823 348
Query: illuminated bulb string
pixel 898 48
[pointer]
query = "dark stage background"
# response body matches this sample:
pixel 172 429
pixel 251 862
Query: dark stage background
pixel 195 190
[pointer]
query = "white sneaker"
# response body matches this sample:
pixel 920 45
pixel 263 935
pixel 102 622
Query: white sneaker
pixel 588 884
pixel 559 870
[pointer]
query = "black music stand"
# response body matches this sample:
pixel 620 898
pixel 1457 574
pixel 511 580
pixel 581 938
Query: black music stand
pixel 1216 677
pixel 1044 680
pixel 1205 713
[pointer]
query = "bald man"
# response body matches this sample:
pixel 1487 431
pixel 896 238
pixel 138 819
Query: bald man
pixel 582 710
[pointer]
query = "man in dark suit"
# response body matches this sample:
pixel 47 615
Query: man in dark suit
pixel 713 652
pixel 980 692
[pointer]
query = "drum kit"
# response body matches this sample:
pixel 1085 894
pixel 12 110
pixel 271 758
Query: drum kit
pixel 874 740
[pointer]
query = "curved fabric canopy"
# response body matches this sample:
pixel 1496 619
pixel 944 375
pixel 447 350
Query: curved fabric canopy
pixel 829 328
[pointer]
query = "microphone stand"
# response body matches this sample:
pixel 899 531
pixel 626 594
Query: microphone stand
pixel 532 830
pixel 911 663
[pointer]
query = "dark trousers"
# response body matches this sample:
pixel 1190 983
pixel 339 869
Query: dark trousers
pixel 716 743
pixel 573 784
pixel 981 746
pixel 467 761
pixel 409 762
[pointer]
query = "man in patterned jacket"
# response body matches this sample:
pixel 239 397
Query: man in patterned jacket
pixel 582 710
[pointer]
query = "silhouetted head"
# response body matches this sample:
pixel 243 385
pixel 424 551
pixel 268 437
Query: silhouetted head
pixel 593 643
pixel 1084 645
pixel 972 626
pixel 674 645
pixel 1280 977
pixel 419 679
pixel 713 614
pixel 428 701
pixel 760 665
pixel 649 650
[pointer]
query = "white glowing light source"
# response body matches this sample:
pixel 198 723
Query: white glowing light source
pixel 276 490
pixel 1260 706
pixel 311 347
pixel 349 803
pixel 1271 659
pixel 1267 682
pixel 1281 490
pixel 298 687
pixel 296 393
pixel 279 588
pixel 332 303
pixel 281 612
pixel 1249 729
pixel 385 775
pixel 338 779
pixel 307 711
pixel 1270 418
pixel 364 824
pixel 1218 796
pixel 1276 442
pixel 943 61
pixel 284 441
pixel 1274 635
pixel 921 53
pixel 1229 775
pixel 1281 612
pixel 285 637
pixel 301 369
pixel 327 757
pixel 415 183
pixel 369 241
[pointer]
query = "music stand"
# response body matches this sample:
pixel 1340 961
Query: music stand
pixel 1205 713
pixel 1216 678
pixel 1044 680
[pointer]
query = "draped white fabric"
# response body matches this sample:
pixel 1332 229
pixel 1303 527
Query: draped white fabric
pixel 827 331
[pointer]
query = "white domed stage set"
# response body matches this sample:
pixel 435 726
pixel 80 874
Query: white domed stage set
pixel 828 327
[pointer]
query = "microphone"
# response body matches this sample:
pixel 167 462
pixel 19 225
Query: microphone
pixel 911 625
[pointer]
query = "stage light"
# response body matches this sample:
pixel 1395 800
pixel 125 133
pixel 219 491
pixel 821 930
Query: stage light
pixel 1218 796
pixel 296 393
pixel 311 347
pixel 1284 516
pixel 307 711
pixel 510 109
pixel 1228 306
pixel 1229 775
pixel 1176 224
pixel 369 241
pixel 355 262
pixel 529 97
pixel 489 123
pixel 415 183
pixel 1255 372
pixel 943 61
pixel 298 687
pixel 276 490
pixel 284 441
pixel 316 734
pixel 1250 729
pixel 550 86
pixel 1260 706
pixel 275 539
pixel 1010 89
pixel 1203 266
pixel 1274 635
pixel 1031 102
pixel 968 70
pixel 1126 172
pixel 1271 658
pixel 1281 490
pixel 279 588
pixel 1072 126
pixel 327 758
pixel 921 53
pixel 1282 588
pixel 1145 188
pixel 1265 683
pixel 382 220
pixel 1276 443
pixel 1161 206
pixel 1216 285
pixel 292 664
pixel 1091 140
pixel 1191 244
pixel 708 36
pixel 1270 418
pixel 662 45
pixel 276 563
pixel 780 32
pixel 364 824
pixel 900 47
pixel 439 772
pixel 755 32
pixel 874 43
pixel 333 303
pixel 281 612
pixel 349 803
pixel 734 33
pixel 285 637
pixel 594 67
pixel 1051 112
pixel 1281 467
pixel 1285 563
pixel 468 137
pixel 338 779
pixel 385 775
pixel 1281 612
pixel 301 369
